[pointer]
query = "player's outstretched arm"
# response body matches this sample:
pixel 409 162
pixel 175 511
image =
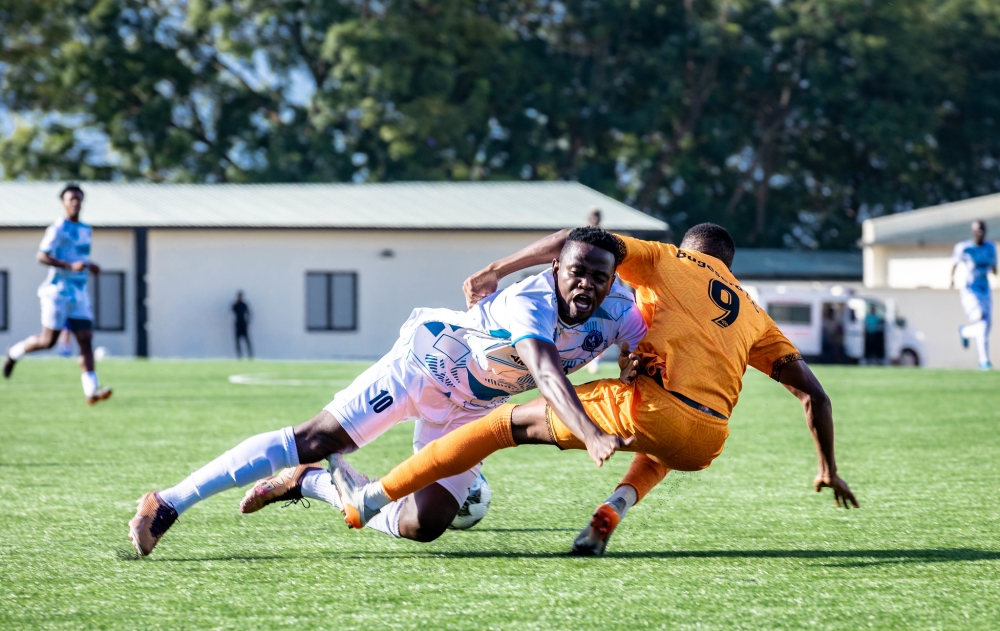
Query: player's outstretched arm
pixel 485 281
pixel 543 361
pixel 800 381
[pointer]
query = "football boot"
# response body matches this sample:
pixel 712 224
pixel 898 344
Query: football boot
pixel 8 366
pixel 285 487
pixel 152 519
pixel 351 486
pixel 101 394
pixel 593 539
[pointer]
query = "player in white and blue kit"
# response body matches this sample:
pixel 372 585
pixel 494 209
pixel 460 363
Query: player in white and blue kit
pixel 446 369
pixel 976 258
pixel 65 248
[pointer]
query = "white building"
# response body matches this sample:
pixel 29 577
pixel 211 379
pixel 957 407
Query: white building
pixel 907 257
pixel 913 250
pixel 329 270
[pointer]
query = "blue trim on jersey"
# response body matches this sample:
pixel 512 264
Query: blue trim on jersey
pixel 434 327
pixel 533 337
pixel 484 392
pixel 501 333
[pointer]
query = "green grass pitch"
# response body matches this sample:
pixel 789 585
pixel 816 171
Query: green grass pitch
pixel 745 544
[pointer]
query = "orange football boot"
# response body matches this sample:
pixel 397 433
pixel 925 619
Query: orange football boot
pixel 102 394
pixel 593 539
pixel 351 486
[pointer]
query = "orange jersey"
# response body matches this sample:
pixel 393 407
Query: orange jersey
pixel 704 329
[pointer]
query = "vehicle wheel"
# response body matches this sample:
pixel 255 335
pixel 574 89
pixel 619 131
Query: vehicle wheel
pixel 908 358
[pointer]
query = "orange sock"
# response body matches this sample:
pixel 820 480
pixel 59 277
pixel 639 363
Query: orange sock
pixel 452 454
pixel 643 474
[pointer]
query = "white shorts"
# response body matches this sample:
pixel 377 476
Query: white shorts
pixel 62 303
pixel 395 390
pixel 977 306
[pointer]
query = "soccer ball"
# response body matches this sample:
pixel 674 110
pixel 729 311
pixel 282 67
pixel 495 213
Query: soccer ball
pixel 475 507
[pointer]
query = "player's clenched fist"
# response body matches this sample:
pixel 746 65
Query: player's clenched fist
pixel 480 285
pixel 629 365
pixel 602 446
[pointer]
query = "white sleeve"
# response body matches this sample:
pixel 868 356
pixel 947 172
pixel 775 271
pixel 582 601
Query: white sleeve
pixel 956 254
pixel 632 330
pixel 531 314
pixel 48 244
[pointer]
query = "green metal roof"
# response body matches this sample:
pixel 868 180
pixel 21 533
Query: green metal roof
pixel 944 224
pixel 410 205
pixel 772 264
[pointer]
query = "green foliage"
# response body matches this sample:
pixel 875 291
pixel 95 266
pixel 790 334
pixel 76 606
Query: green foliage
pixel 788 121
pixel 745 544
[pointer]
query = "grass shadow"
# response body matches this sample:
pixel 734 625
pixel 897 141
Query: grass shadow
pixel 848 558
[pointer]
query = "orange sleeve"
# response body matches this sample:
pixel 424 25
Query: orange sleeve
pixel 772 351
pixel 641 258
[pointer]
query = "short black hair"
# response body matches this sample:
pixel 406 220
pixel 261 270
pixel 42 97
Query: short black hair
pixel 71 186
pixel 598 238
pixel 713 240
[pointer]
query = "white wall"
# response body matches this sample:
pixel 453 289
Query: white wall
pixel 194 275
pixel 112 249
pixel 936 313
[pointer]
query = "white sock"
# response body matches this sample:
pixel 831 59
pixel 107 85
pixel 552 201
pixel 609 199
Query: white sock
pixel 983 343
pixel 375 497
pixel 257 457
pixel 89 380
pixel 387 521
pixel 16 351
pixel 317 485
pixel 624 498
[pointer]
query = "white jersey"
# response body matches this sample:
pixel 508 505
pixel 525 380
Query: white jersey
pixel 976 261
pixel 68 242
pixel 471 355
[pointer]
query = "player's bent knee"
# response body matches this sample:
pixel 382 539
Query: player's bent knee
pixel 48 338
pixel 428 514
pixel 321 436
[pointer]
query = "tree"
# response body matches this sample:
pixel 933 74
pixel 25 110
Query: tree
pixel 789 122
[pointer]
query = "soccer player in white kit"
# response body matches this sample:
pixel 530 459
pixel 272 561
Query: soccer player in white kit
pixel 976 257
pixel 65 248
pixel 447 369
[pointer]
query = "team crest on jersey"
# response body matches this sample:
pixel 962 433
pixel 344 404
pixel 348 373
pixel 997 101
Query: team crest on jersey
pixel 593 341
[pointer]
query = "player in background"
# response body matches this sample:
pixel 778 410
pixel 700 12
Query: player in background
pixel 447 369
pixel 977 257
pixel 241 321
pixel 65 248
pixel 704 331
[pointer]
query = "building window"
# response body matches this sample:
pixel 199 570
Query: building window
pixel 107 297
pixel 331 301
pixel 3 301
pixel 794 313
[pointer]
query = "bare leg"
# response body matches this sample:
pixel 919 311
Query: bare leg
pixel 529 425
pixel 43 341
pixel 425 515
pixel 84 338
pixel 321 436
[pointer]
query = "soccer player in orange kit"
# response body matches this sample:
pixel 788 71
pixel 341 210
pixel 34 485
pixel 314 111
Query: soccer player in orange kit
pixel 704 329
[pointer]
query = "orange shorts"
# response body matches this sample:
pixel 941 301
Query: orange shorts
pixel 681 437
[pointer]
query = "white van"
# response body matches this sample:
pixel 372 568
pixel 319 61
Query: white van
pixel 834 326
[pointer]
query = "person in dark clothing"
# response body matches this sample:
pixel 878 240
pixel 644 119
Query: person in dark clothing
pixel 874 336
pixel 242 313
